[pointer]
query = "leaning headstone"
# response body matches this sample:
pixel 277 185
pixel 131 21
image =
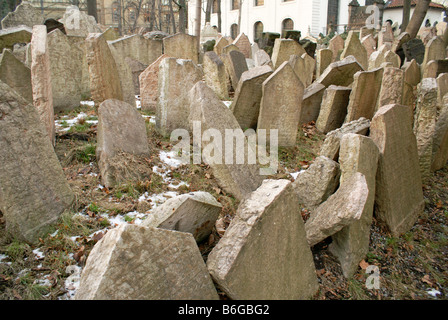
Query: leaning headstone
pixel 104 77
pixel 194 212
pixel 340 73
pixel 391 87
pixel 412 77
pixel 425 123
pixel 336 45
pixel 138 48
pixel 262 58
pixel 134 262
pixel 348 202
pixel 364 95
pixel 182 46
pixel 331 144
pixel 215 74
pixel 369 44
pixel 110 34
pixel 386 35
pixel 149 85
pixel 16 75
pixel 442 31
pixel 33 189
pixel 176 78
pixel 220 44
pixel 440 144
pixel 243 44
pixel 434 50
pixel 248 94
pixel 315 184
pixel 351 244
pixel 281 105
pixel 41 79
pixel 238 263
pixel 333 109
pixel 304 67
pixel 399 41
pixel 323 60
pixel 24 15
pixel 283 49
pixel 434 68
pixel 236 64
pixel 238 177
pixel 121 129
pixel 9 37
pixel 311 104
pixel 442 88
pixel 136 68
pixel 231 47
pixel 398 196
pixel 79 23
pixel 353 47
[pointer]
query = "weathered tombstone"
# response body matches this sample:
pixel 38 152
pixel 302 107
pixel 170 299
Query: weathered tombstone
pixel 333 109
pixel 79 52
pixel 220 44
pixel 231 47
pixel 136 68
pixel 348 201
pixel 440 144
pixel 182 46
pixel 149 85
pixel 79 23
pixel 336 45
pixel 384 54
pixel 284 49
pixel 366 31
pixel 262 58
pixel 304 67
pixel 340 73
pixel 311 104
pixel 240 264
pixel 398 196
pixel 412 77
pixel 238 177
pixel 33 188
pixel 435 49
pixel 121 129
pixel 138 48
pixel 41 79
pixel 16 75
pixel 369 44
pixel 243 44
pixel 104 77
pixel 323 60
pixel 194 212
pixel 364 95
pixel 176 78
pixel 426 34
pixel 9 37
pixel 315 184
pixel 248 94
pixel 399 41
pixel 350 245
pixel 215 74
pixel 386 35
pixel 236 64
pixel 134 262
pixel 434 68
pixel 442 88
pixel 331 144
pixel 425 123
pixel 353 47
pixel 391 87
pixel 281 105
pixel 110 34
pixel 24 15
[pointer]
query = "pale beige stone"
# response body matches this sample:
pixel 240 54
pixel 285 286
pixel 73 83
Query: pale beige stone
pixel 220 44
pixel 149 85
pixel 243 44
pixel 283 49
pixel 333 108
pixel 336 45
pixel 353 47
pixel 324 58
pixel 311 104
pixel 16 75
pixel 24 15
pixel 440 144
pixel 182 46
pixel 340 73
pixel 215 74
pixel 391 87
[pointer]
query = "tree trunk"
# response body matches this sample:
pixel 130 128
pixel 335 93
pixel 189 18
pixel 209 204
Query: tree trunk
pixel 219 16
pixel 240 10
pixel 197 32
pixel 417 17
pixel 153 15
pixel 208 11
pixel 92 9
pixel 406 15
pixel 182 15
pixel 172 17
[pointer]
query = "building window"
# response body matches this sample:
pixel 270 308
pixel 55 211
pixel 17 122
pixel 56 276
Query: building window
pixel 258 30
pixel 131 13
pixel 115 12
pixel 235 4
pixel 258 3
pixel 287 25
pixel 146 12
pixel 234 31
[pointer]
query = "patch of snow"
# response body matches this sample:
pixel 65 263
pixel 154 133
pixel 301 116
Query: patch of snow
pixel 88 103
pixel 39 254
pixel 433 292
pixel 170 158
pixel 227 103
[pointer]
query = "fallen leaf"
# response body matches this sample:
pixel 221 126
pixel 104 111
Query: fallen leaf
pixel 439 204
pixel 426 279
pixel 363 264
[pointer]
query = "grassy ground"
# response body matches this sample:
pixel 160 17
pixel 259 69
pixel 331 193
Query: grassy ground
pixel 409 266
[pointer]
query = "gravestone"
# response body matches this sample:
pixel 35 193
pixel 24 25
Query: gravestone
pixel 340 73
pixel 311 104
pixel 414 49
pixel 149 85
pixel 16 75
pixel 79 23
pixel 353 47
pixel 243 44
pixel 304 67
pixel 323 60
pixel 24 15
pixel 284 49
pixel 412 77
pixel 182 46
pixel 215 74
pixel 333 108
pixel 9 37
pixel 247 266
pixel 220 44
pixel 236 64
pixel 138 48
pixel 369 44
pixel 391 87
pixel 440 144
pixel 336 45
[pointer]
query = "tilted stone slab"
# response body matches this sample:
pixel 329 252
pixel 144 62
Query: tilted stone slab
pixel 391 87
pixel 79 23
pixel 33 188
pixel 435 49
pixel 176 78
pixel 149 85
pixel 399 196
pixel 315 184
pixel 330 146
pixel 312 101
pixel 138 48
pixel 304 67
pixel 284 49
pixel 182 46
pixel 9 37
pixel 340 73
pixel 121 128
pixel 248 94
pixel 440 144
pixel 215 74
pixel 324 58
pixel 194 212
pixel 336 45
pixel 24 14
pixel 243 44
pixel 136 263
pixel 281 105
pixel 16 75
pixel 264 253
pixel 220 44
pixel 236 65
pixel 341 209
pixel 351 244
pixel 412 77
pixel 333 108
pixel 41 79
pixel 353 47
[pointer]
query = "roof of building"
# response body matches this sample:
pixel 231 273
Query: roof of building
pixel 399 3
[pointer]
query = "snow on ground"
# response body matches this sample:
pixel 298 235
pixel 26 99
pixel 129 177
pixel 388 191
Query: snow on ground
pixel 66 123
